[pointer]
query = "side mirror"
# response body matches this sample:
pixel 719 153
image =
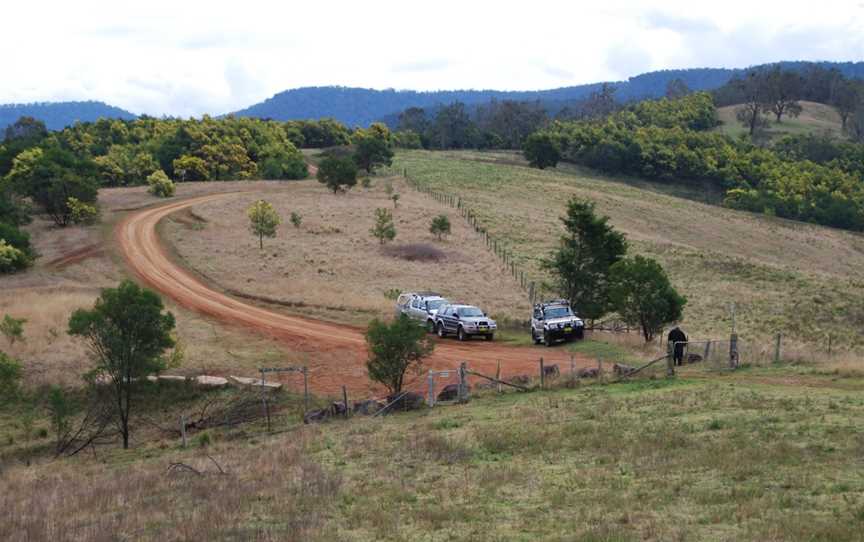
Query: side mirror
pixel 456 316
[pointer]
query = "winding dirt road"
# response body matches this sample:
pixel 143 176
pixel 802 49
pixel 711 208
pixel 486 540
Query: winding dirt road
pixel 342 348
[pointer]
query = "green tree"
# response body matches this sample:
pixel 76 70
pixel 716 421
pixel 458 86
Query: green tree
pixel 542 150
pixel 190 168
pixel 384 230
pixel 127 333
pixel 581 263
pixel 337 173
pixel 263 220
pixel 160 185
pixel 50 177
pixel 440 226
pixel 395 198
pixel 11 258
pixel 372 152
pixel 394 349
pixel 12 328
pixel 642 294
pixel 60 410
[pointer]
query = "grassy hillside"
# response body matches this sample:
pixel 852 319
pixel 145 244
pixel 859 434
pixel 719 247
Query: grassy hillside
pixel 783 276
pixel 767 454
pixel 815 118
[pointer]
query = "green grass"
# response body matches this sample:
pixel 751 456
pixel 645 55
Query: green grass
pixel 783 276
pixel 761 454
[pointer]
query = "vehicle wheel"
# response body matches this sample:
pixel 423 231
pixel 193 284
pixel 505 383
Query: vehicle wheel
pixel 441 330
pixel 460 334
pixel 489 337
pixel 547 340
pixel 535 338
pixel 430 326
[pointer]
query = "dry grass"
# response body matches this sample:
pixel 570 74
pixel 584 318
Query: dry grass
pixel 331 265
pixel 772 457
pixel 815 118
pixel 798 279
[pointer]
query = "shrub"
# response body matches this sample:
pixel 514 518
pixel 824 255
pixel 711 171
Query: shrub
pixel 384 230
pixel 338 174
pixel 12 328
pixel 542 150
pixel 394 349
pixel 160 185
pixel 11 259
pixel 440 226
pixel 10 376
pixel 16 238
pixel 81 212
pixel 296 219
pixel 263 220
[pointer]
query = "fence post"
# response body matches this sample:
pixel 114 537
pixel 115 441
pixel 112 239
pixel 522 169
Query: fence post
pixel 498 376
pixel 345 400
pixel 777 340
pixel 431 400
pixel 733 351
pixel 572 368
pixel 183 429
pixel 829 345
pixel 306 389
pixel 463 385
pixel 670 361
pixel 707 351
pixel 542 376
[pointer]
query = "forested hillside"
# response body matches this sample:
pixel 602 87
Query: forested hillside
pixel 58 115
pixel 361 106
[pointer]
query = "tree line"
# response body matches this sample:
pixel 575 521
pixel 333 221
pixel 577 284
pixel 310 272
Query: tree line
pixel 804 178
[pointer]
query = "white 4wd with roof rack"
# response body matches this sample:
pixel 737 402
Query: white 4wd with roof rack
pixel 555 321
pixel 420 306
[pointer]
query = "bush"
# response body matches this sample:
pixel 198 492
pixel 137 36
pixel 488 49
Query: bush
pixel 384 230
pixel 338 174
pixel 10 376
pixel 82 213
pixel 542 150
pixel 11 259
pixel 642 294
pixel 16 238
pixel 440 226
pixel 394 349
pixel 160 185
pixel 296 219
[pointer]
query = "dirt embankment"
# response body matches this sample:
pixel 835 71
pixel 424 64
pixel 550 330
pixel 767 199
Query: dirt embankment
pixel 344 346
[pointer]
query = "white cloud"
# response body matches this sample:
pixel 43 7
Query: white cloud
pixel 191 57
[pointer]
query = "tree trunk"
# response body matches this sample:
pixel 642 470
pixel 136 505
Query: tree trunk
pixel 261 241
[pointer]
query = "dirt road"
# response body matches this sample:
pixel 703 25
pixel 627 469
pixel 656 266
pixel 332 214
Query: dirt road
pixel 342 348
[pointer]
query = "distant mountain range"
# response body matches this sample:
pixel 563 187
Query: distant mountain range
pixel 58 115
pixel 362 106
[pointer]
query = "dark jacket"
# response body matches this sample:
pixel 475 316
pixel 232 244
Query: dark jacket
pixel 677 336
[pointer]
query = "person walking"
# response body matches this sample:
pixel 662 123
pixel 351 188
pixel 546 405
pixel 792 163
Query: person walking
pixel 678 341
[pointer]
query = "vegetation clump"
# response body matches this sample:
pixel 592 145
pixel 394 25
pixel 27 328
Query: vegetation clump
pixel 395 349
pixel 440 226
pixel 384 229
pixel 160 185
pixel 263 220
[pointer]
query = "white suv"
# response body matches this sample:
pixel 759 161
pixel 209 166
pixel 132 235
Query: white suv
pixel 420 306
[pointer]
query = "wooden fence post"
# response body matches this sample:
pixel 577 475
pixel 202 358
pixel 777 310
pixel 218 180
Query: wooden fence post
pixel 345 400
pixel 183 429
pixel 777 340
pixel 542 376
pixel 463 383
pixel 306 389
pixel 670 360
pixel 498 375
pixel 733 351
pixel 707 350
pixel 572 369
pixel 431 400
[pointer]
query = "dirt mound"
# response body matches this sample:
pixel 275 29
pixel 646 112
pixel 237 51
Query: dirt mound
pixel 415 252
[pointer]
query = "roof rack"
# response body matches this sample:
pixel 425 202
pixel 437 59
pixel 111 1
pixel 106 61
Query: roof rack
pixel 427 294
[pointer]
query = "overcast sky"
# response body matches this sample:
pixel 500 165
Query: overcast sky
pixel 184 57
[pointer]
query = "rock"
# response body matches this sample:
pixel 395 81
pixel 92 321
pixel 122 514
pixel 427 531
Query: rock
pixel 406 401
pixel 211 381
pixel 694 358
pixel 588 372
pixel 622 370
pixel 451 392
pixel 522 380
pixel 338 409
pixel 269 385
pixel 316 416
pixel 551 371
pixel 367 408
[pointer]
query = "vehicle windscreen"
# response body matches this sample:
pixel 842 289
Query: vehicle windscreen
pixel 434 304
pixel 470 311
pixel 558 312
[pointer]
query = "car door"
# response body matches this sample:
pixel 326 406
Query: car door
pixel 444 317
pixel 417 310
pixel 453 320
pixel 537 322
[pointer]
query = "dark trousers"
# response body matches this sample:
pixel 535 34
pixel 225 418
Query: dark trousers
pixel 678 354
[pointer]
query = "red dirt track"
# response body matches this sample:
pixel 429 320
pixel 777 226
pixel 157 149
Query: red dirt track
pixel 339 351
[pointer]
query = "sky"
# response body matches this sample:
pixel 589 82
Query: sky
pixel 187 58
